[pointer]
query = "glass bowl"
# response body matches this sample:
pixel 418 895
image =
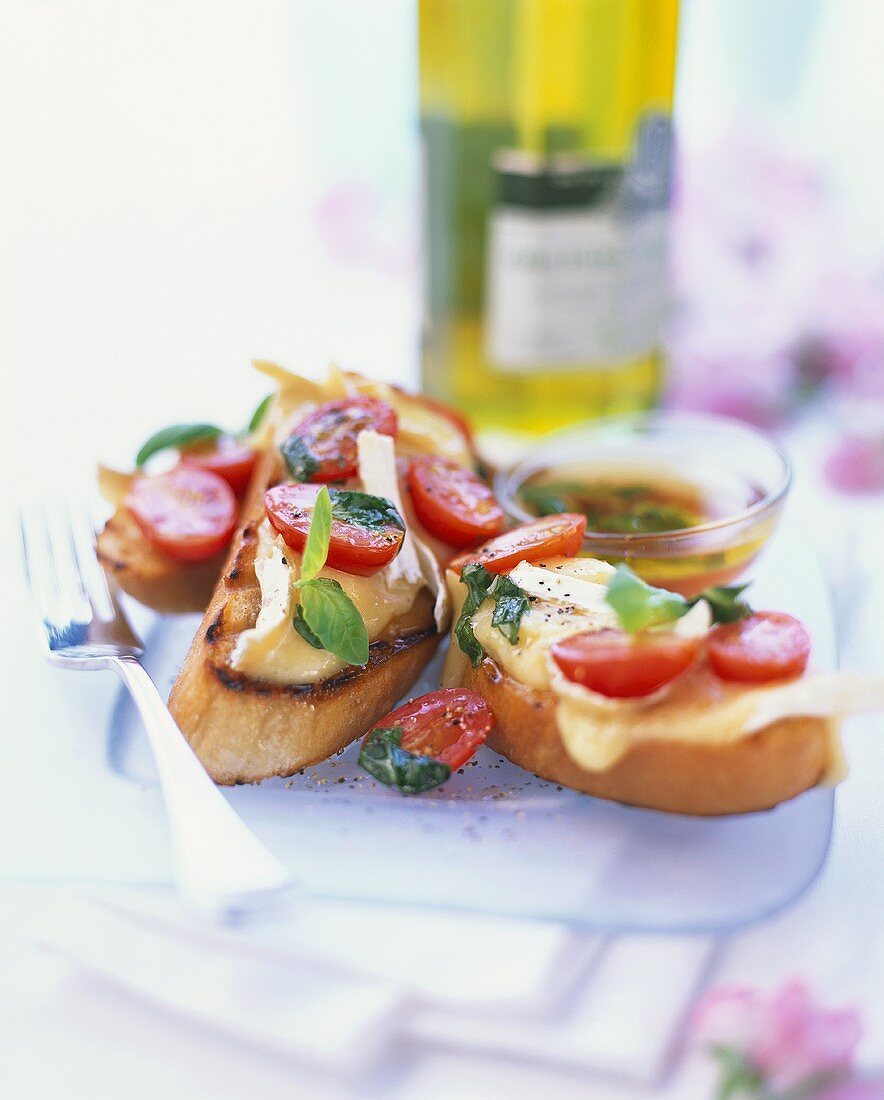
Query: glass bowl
pixel 726 461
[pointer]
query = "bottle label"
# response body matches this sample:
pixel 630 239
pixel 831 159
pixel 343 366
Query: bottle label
pixel 576 265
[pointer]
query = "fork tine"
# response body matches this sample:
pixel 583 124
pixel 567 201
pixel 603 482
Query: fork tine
pixel 72 596
pixel 38 561
pixel 82 625
pixel 82 536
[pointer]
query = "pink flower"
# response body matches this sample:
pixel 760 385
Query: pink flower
pixel 856 465
pixel 722 372
pixel 772 305
pixel 847 331
pixel 854 1090
pixel 783 1035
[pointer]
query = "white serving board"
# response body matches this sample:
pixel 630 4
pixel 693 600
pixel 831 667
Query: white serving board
pixel 492 839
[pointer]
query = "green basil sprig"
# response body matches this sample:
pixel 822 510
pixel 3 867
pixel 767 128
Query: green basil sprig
pixel 639 605
pixel 300 625
pixel 364 510
pixel 257 417
pixel 510 604
pixel 383 757
pixel 318 538
pixel 300 461
pixel 326 617
pixel 478 580
pixel 725 602
pixel 333 620
pixel 180 436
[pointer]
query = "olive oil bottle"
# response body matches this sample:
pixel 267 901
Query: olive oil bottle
pixel 546 138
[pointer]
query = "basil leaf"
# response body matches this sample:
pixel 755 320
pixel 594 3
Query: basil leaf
pixel 176 435
pixel 299 459
pixel 629 492
pixel 725 603
pixel 639 605
pixel 478 581
pixel 544 500
pixel 299 623
pixel 316 546
pixel 552 497
pixel 258 415
pixel 364 510
pixel 383 757
pixel 510 604
pixel 334 620
pixel 644 519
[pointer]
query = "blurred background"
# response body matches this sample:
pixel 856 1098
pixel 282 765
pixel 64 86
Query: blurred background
pixel 189 185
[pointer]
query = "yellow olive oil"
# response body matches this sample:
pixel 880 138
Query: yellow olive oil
pixel 660 520
pixel 546 141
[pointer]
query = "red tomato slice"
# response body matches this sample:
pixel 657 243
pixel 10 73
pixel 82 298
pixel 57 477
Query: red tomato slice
pixel 323 446
pixel 769 645
pixel 449 725
pixel 452 502
pixel 352 549
pixel 228 458
pixel 552 536
pixel 621 666
pixel 189 514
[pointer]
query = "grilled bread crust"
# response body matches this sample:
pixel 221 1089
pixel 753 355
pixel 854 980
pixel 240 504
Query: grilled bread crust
pixel 244 730
pixel 150 576
pixel 753 773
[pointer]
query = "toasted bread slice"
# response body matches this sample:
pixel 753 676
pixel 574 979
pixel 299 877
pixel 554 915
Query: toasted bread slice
pixel 150 576
pixel 245 730
pixel 752 773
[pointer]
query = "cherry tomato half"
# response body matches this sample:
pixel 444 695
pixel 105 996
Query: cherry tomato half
pixel 352 548
pixel 187 513
pixel 227 457
pixel 323 446
pixel 449 725
pixel 452 502
pixel 552 536
pixel 622 666
pixel 769 645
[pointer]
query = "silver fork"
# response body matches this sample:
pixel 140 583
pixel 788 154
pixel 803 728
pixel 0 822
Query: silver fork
pixel 221 869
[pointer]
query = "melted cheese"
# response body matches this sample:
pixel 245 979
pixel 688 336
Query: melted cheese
pixel 415 564
pixel 700 708
pixel 697 707
pixel 567 597
pixel 272 650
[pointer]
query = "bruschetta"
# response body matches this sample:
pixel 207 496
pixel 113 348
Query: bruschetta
pixel 332 599
pixel 601 683
pixel 168 536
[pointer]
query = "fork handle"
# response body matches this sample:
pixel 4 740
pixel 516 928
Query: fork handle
pixel 221 868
